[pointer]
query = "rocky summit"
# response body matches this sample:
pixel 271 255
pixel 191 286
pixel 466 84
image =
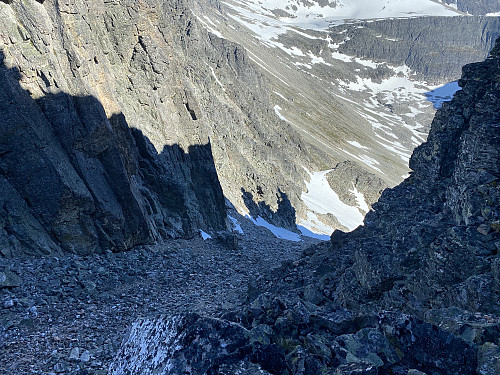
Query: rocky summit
pixel 416 290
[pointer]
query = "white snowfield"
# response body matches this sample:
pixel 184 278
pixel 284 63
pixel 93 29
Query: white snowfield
pixel 279 232
pixel 310 15
pixel 321 199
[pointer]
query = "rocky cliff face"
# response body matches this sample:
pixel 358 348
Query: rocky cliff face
pixel 427 45
pixel 440 225
pixel 112 115
pixel 75 180
pixel 414 291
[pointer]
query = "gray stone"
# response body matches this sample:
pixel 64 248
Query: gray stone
pixel 484 229
pixel 488 359
pixel 8 279
pixel 179 342
pixel 60 367
pixel 33 311
pixel 85 357
pixel 262 334
pixel 312 295
pixel 481 7
pixel 75 354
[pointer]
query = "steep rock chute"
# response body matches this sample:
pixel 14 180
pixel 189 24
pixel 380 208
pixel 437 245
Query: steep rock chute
pixel 413 291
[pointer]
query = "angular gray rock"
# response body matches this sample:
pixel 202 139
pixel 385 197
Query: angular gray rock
pixel 176 344
pixel 8 279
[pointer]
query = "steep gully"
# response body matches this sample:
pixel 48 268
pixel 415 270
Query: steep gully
pixel 414 291
pixel 106 144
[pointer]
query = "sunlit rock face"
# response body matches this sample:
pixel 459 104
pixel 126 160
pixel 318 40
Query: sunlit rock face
pixel 102 144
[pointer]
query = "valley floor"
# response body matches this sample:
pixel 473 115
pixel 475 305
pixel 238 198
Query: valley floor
pixel 89 302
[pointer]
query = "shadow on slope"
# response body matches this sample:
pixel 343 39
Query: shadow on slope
pixel 283 216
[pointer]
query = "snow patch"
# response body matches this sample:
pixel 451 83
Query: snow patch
pixel 279 232
pixel 237 226
pixel 208 27
pixel 314 227
pixel 281 96
pixel 340 56
pixel 320 198
pixel 315 16
pixel 393 89
pixel 205 235
pixel 365 159
pixel 304 65
pixel 306 232
pixel 277 109
pixel 293 51
pixel 217 79
pixel 317 59
pixel 358 145
pixel 360 199
pixel 367 63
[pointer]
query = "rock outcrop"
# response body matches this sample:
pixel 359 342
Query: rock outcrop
pixel 73 179
pixel 413 291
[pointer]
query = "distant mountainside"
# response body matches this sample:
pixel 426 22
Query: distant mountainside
pixel 354 82
pixel 476 7
pixel 414 291
pixel 430 47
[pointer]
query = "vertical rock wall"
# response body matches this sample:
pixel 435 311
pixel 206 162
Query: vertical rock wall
pixel 92 155
pixel 132 101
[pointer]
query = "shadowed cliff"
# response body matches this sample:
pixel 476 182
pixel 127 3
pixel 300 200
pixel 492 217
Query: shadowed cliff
pixel 73 179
